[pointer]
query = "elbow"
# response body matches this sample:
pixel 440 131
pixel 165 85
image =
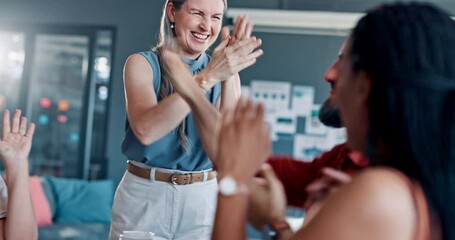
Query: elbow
pixel 143 136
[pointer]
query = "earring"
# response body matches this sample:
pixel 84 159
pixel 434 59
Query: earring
pixel 172 25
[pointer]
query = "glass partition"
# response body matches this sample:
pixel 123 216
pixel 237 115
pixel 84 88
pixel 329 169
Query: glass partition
pixel 60 77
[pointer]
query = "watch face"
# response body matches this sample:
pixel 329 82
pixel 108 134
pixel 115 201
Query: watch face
pixel 228 185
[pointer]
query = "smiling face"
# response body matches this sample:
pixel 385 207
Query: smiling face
pixel 197 25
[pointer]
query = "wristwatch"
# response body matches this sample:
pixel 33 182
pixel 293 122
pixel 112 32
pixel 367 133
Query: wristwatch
pixel 228 186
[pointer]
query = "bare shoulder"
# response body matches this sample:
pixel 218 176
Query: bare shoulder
pixel 138 81
pixel 381 186
pixel 377 204
pixel 136 66
pixel 384 196
pixel 382 180
pixel 136 58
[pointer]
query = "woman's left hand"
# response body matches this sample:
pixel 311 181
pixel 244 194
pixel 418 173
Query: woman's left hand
pixel 235 52
pixel 243 28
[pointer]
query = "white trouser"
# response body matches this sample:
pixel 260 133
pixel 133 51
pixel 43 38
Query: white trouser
pixel 170 211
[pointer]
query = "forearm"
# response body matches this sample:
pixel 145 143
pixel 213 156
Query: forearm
pixel 152 124
pixel 230 92
pixel 20 220
pixel 206 115
pixel 230 220
pixel 206 118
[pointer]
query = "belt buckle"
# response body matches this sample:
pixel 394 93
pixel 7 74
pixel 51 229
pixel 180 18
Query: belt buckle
pixel 174 179
pixel 175 175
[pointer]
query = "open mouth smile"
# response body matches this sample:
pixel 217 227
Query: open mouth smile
pixel 200 36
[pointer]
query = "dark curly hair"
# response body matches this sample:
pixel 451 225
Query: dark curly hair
pixel 408 50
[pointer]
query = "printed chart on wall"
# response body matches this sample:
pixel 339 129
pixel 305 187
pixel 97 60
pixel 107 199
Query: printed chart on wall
pixel 292 115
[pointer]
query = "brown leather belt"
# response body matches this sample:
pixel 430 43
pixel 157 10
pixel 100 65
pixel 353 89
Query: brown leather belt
pixel 174 178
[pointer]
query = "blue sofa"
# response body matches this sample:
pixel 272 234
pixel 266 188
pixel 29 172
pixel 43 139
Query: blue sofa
pixel 80 209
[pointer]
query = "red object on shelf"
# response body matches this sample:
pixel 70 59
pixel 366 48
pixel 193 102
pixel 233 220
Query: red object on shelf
pixel 45 103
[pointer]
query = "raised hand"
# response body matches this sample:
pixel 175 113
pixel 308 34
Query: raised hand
pixel 244 142
pixel 235 52
pixel 16 139
pixel 243 28
pixel 229 60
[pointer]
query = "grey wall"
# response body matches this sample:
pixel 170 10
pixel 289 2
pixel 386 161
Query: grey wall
pixel 297 58
pixel 329 5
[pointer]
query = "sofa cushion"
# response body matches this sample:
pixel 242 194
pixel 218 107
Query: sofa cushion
pixel 43 212
pixel 49 195
pixel 80 201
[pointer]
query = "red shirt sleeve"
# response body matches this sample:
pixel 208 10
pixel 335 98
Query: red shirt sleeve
pixel 296 175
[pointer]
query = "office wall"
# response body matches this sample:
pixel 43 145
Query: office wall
pixel 329 5
pixel 296 58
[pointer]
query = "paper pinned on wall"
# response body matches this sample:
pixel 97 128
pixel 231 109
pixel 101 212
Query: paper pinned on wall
pixel 283 124
pixel 302 99
pixel 273 94
pixel 307 147
pixel 312 124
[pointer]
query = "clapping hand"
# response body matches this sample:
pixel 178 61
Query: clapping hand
pixel 244 142
pixel 235 52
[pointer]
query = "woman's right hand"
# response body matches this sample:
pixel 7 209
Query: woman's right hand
pixel 244 142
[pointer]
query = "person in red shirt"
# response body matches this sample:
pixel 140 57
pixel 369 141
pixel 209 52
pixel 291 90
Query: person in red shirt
pixel 297 175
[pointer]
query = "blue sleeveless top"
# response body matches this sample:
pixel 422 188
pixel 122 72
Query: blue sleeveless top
pixel 167 152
